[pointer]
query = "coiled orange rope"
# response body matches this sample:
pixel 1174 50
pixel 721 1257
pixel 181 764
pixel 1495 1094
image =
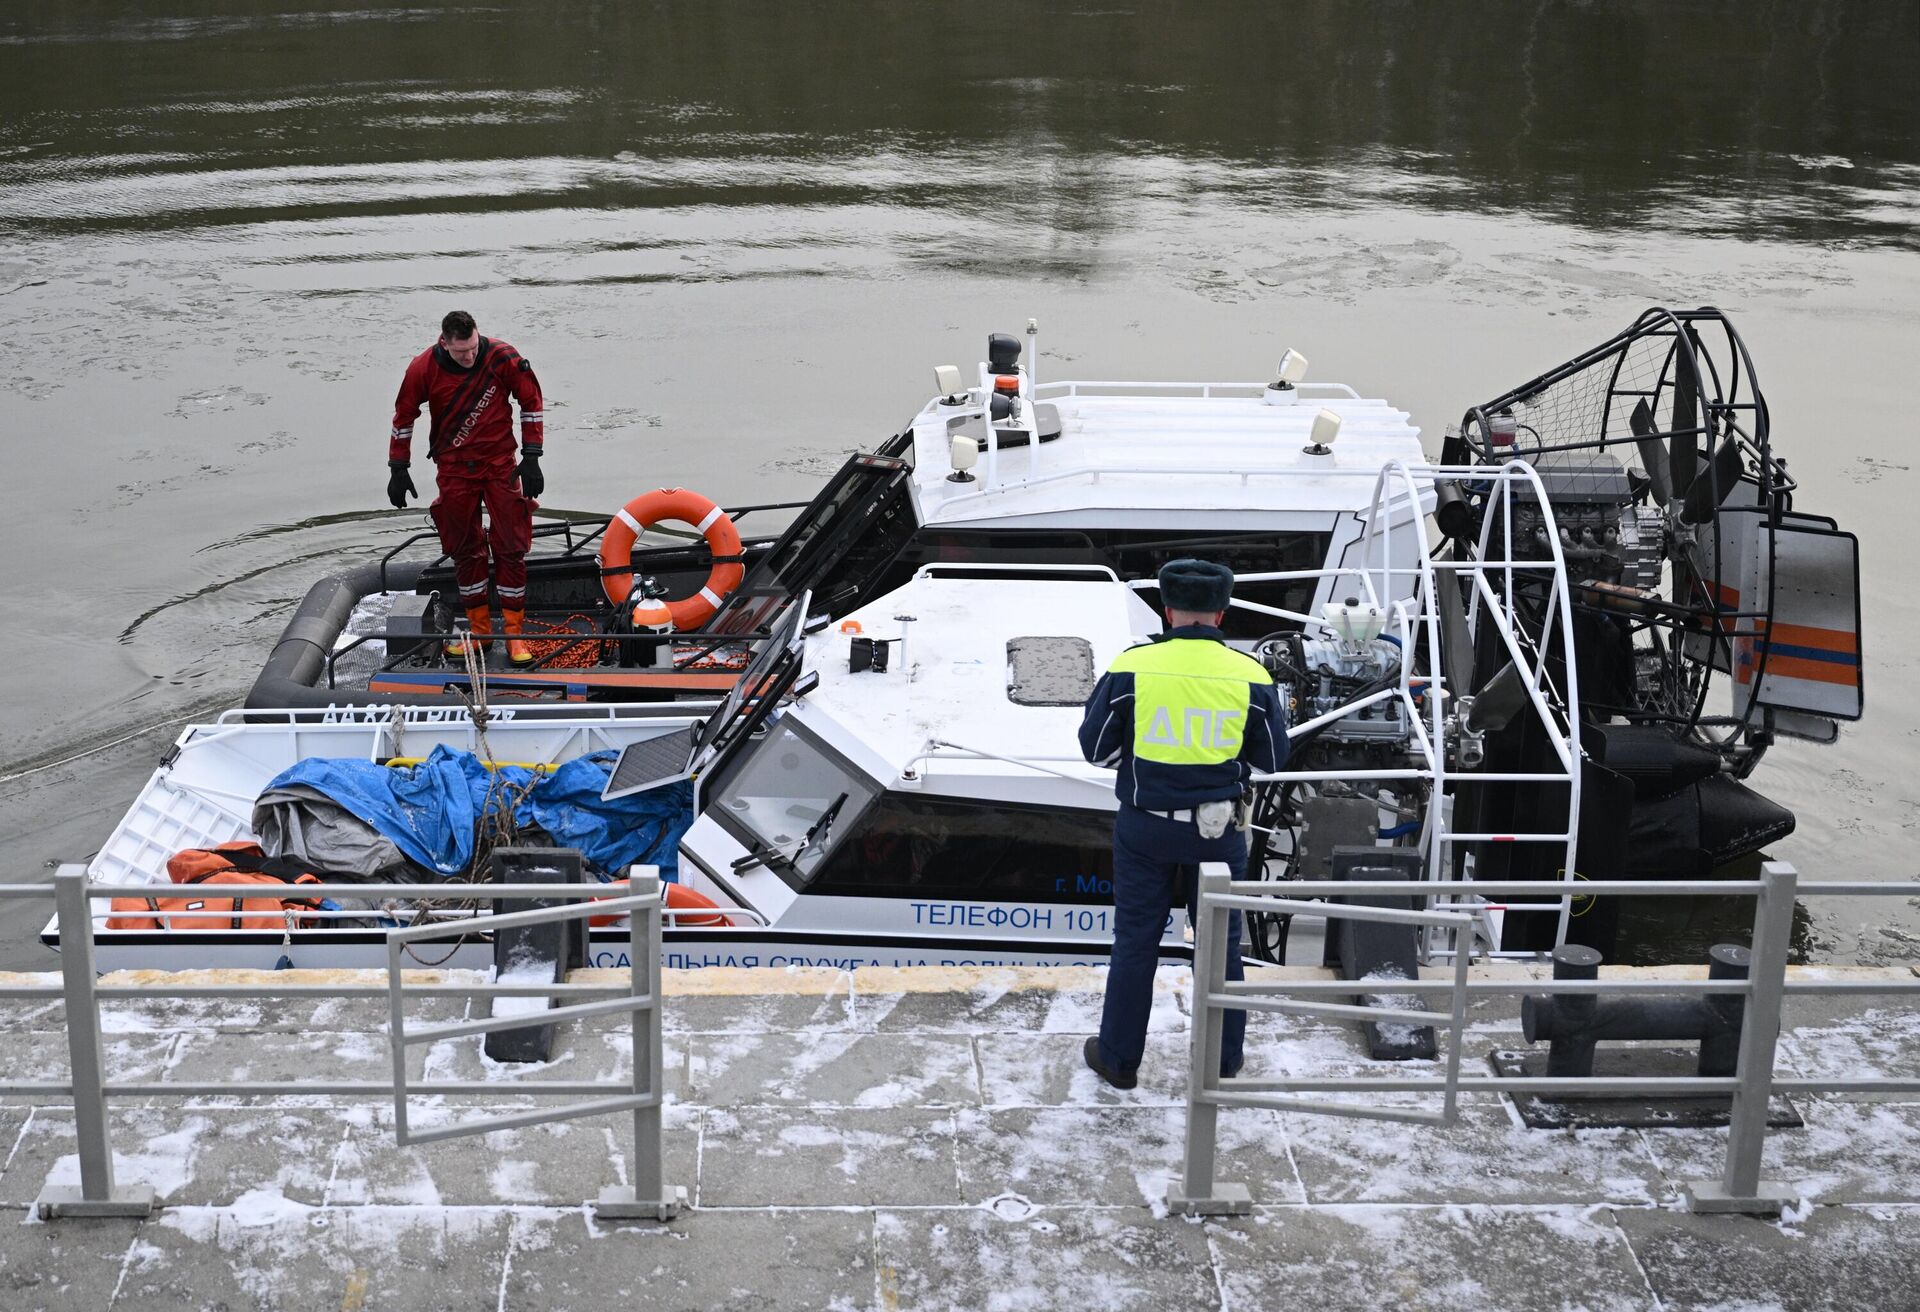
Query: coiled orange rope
pixel 561 647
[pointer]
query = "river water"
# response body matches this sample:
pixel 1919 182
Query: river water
pixel 734 239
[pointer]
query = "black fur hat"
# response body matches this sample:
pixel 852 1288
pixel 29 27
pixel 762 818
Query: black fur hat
pixel 1195 585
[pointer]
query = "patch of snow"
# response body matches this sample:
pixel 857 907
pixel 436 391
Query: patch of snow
pixel 264 1207
pixel 524 972
pixel 1391 1031
pixel 141 1257
pixel 1153 1188
pixel 1877 1042
pixel 514 1181
pixel 199 1224
pixel 360 1046
pixel 1011 1207
pixel 417 1191
pixel 1485 1159
pixel 810 1136
pixel 1845 1150
pixel 164 1161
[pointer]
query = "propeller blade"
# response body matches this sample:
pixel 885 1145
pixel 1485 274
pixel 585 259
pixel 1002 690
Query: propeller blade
pixel 1456 648
pixel 1653 456
pixel 1495 705
pixel 1708 494
pixel 1684 446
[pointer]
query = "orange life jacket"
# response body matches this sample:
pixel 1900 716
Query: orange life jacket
pixel 241 863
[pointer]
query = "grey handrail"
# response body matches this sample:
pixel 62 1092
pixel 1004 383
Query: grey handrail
pixel 1739 1187
pixel 99 1195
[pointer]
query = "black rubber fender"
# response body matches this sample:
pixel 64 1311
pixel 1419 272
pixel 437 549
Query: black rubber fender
pixel 296 668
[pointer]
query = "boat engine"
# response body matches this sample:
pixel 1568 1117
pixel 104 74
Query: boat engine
pixel 1317 674
pixel 1604 536
pixel 1689 562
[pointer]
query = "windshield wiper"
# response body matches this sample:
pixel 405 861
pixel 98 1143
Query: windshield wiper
pixel 762 853
pixel 759 853
pixel 821 828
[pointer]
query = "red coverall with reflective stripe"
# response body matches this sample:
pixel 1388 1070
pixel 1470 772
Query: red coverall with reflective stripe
pixel 470 440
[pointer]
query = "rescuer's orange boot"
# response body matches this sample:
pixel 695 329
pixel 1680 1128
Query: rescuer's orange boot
pixel 514 622
pixel 479 625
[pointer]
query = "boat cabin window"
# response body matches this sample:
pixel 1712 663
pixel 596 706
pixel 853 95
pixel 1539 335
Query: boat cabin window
pixel 932 847
pixel 791 800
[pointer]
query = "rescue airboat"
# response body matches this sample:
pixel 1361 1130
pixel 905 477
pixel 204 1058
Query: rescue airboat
pixel 1601 602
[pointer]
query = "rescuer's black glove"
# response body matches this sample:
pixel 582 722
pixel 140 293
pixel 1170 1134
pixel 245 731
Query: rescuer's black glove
pixel 532 481
pixel 400 484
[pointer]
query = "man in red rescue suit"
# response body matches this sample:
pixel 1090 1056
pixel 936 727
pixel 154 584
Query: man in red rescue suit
pixel 465 381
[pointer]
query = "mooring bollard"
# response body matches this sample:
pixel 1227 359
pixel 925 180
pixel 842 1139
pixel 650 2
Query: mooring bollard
pixel 1573 1024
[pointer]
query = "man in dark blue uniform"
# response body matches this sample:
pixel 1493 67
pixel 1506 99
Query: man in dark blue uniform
pixel 1185 720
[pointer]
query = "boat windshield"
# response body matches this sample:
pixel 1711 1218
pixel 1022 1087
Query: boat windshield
pixel 791 799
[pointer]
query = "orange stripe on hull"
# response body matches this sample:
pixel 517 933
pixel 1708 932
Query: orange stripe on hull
pixel 1798 667
pixel 1800 635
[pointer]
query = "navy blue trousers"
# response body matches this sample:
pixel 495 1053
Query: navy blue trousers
pixel 1155 868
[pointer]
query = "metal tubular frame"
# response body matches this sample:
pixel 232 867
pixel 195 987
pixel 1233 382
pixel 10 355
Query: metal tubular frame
pixel 1717 376
pixel 1401 494
pixel 1753 1084
pixel 1399 497
pixel 649 1196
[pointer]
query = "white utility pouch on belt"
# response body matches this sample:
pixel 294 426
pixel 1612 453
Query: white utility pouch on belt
pixel 1212 818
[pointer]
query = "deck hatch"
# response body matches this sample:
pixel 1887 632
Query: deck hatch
pixel 1046 670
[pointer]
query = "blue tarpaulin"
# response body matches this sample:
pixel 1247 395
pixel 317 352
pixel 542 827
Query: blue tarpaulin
pixel 431 811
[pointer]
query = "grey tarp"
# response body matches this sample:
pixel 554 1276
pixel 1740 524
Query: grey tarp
pixel 299 820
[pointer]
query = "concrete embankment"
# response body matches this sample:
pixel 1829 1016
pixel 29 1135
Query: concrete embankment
pixel 918 1139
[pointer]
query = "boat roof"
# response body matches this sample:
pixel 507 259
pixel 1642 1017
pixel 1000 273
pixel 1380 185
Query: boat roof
pixel 1158 454
pixel 954 681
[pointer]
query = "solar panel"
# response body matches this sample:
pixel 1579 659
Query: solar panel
pixel 651 763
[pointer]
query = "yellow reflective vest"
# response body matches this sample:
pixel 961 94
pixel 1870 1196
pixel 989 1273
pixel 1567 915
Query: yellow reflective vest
pixel 1184 719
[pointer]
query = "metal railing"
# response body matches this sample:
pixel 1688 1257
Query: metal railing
pixel 90 1088
pixel 1199 1193
pixel 1753 1084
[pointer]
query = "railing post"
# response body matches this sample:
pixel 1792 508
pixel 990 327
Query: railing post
pixel 1741 1189
pixel 649 1197
pixel 96 1195
pixel 1198 1193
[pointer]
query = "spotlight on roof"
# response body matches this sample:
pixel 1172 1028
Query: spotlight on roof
pixel 1326 428
pixel 1284 390
pixel 963 453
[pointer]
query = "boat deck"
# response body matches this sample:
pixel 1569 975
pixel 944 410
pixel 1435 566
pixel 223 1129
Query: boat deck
pixel 1151 450
pixel 924 1139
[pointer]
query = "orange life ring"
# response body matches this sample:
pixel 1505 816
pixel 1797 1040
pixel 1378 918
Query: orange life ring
pixel 648 509
pixel 679 898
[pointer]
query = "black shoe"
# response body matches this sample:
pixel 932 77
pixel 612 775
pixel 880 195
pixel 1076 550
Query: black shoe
pixel 1228 1072
pixel 1117 1079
